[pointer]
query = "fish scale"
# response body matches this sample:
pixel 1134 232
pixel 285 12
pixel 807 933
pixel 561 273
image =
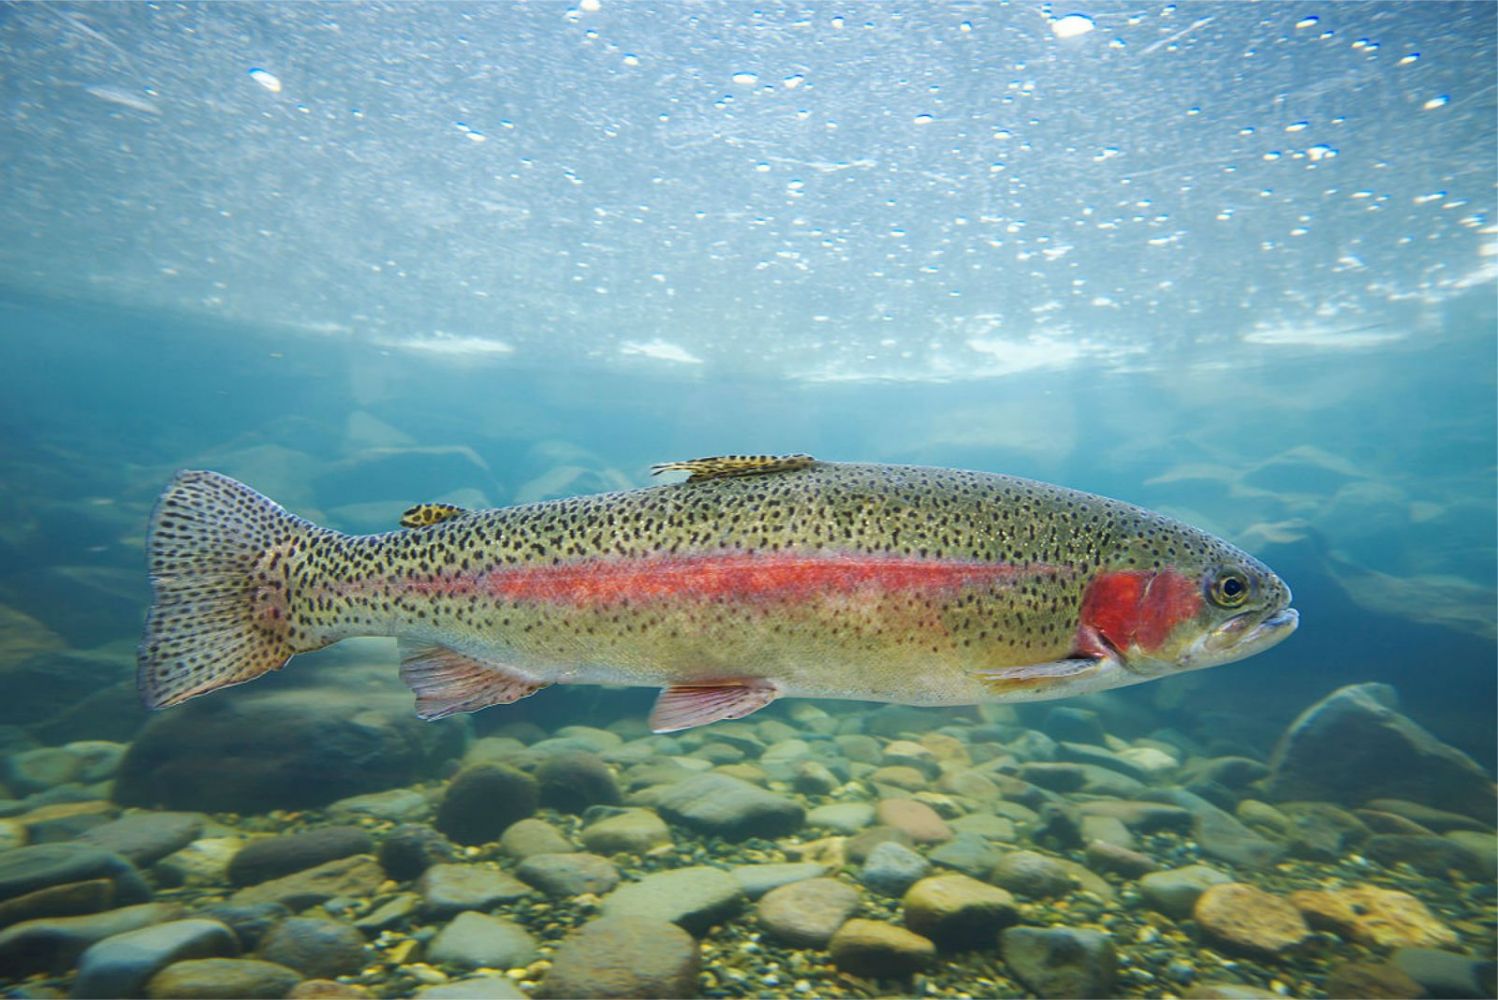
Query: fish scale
pixel 756 578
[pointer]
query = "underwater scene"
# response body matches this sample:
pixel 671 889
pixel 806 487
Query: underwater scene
pixel 670 443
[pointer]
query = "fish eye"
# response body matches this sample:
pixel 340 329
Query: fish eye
pixel 1229 589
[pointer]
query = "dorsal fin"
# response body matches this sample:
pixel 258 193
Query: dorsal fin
pixel 426 514
pixel 724 466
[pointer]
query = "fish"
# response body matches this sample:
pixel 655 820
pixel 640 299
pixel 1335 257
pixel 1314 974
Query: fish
pixel 755 578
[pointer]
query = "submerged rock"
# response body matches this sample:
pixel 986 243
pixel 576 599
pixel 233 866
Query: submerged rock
pixel 356 876
pixel 1141 817
pixel 1075 725
pixel 859 846
pixel 478 939
pixel 1321 831
pixel 891 868
pixel 1219 833
pixel 273 857
pixel 1354 745
pixel 1372 981
pixel 1103 856
pixel 806 914
pixel 616 831
pixel 222 979
pixel 571 782
pixel 53 944
pixel 319 949
pixel 1032 874
pixel 1429 818
pixel 957 911
pixel 1446 974
pixel 483 800
pixel 249 921
pixel 412 848
pixel 878 950
pixel 1061 961
pixel 1433 856
pixel 447 889
pixel 1244 919
pixel 694 898
pixel 294 749
pixel 65 880
pixel 1383 918
pixel 728 807
pixel 398 805
pixel 968 853
pixel 756 880
pixel 915 819
pixel 527 837
pixel 120 966
pixel 147 837
pixel 624 956
pixel 1174 892
pixel 493 986
pixel 569 874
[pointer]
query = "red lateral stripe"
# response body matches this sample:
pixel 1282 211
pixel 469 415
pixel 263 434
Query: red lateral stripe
pixel 734 576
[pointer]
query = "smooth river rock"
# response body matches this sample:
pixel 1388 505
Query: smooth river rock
pixel 120 966
pixel 694 898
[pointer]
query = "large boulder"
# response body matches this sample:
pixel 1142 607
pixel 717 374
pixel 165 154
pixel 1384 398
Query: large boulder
pixel 248 752
pixel 1354 745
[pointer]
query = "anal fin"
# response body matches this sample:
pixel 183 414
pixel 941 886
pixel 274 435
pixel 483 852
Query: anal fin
pixel 684 706
pixel 447 682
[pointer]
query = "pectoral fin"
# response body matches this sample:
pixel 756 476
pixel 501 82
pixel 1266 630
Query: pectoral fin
pixel 447 682
pixel 1034 681
pixel 688 705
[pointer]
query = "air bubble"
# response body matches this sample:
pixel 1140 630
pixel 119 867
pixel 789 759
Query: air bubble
pixel 1307 22
pixel 1439 101
pixel 1072 26
pixel 923 119
pixel 746 79
pixel 266 79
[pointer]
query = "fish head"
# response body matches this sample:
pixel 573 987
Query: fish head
pixel 1205 604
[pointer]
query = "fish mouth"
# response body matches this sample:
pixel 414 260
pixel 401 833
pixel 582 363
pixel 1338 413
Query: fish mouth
pixel 1242 636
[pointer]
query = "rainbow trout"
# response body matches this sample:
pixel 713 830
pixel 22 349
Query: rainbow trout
pixel 758 577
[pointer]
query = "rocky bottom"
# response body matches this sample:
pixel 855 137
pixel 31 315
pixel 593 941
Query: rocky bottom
pixel 859 854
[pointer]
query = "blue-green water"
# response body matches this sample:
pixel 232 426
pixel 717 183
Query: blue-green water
pixel 1233 263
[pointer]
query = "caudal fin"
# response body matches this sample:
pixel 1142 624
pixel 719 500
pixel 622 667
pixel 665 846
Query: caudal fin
pixel 219 555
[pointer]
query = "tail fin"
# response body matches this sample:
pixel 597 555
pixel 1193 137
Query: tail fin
pixel 219 556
